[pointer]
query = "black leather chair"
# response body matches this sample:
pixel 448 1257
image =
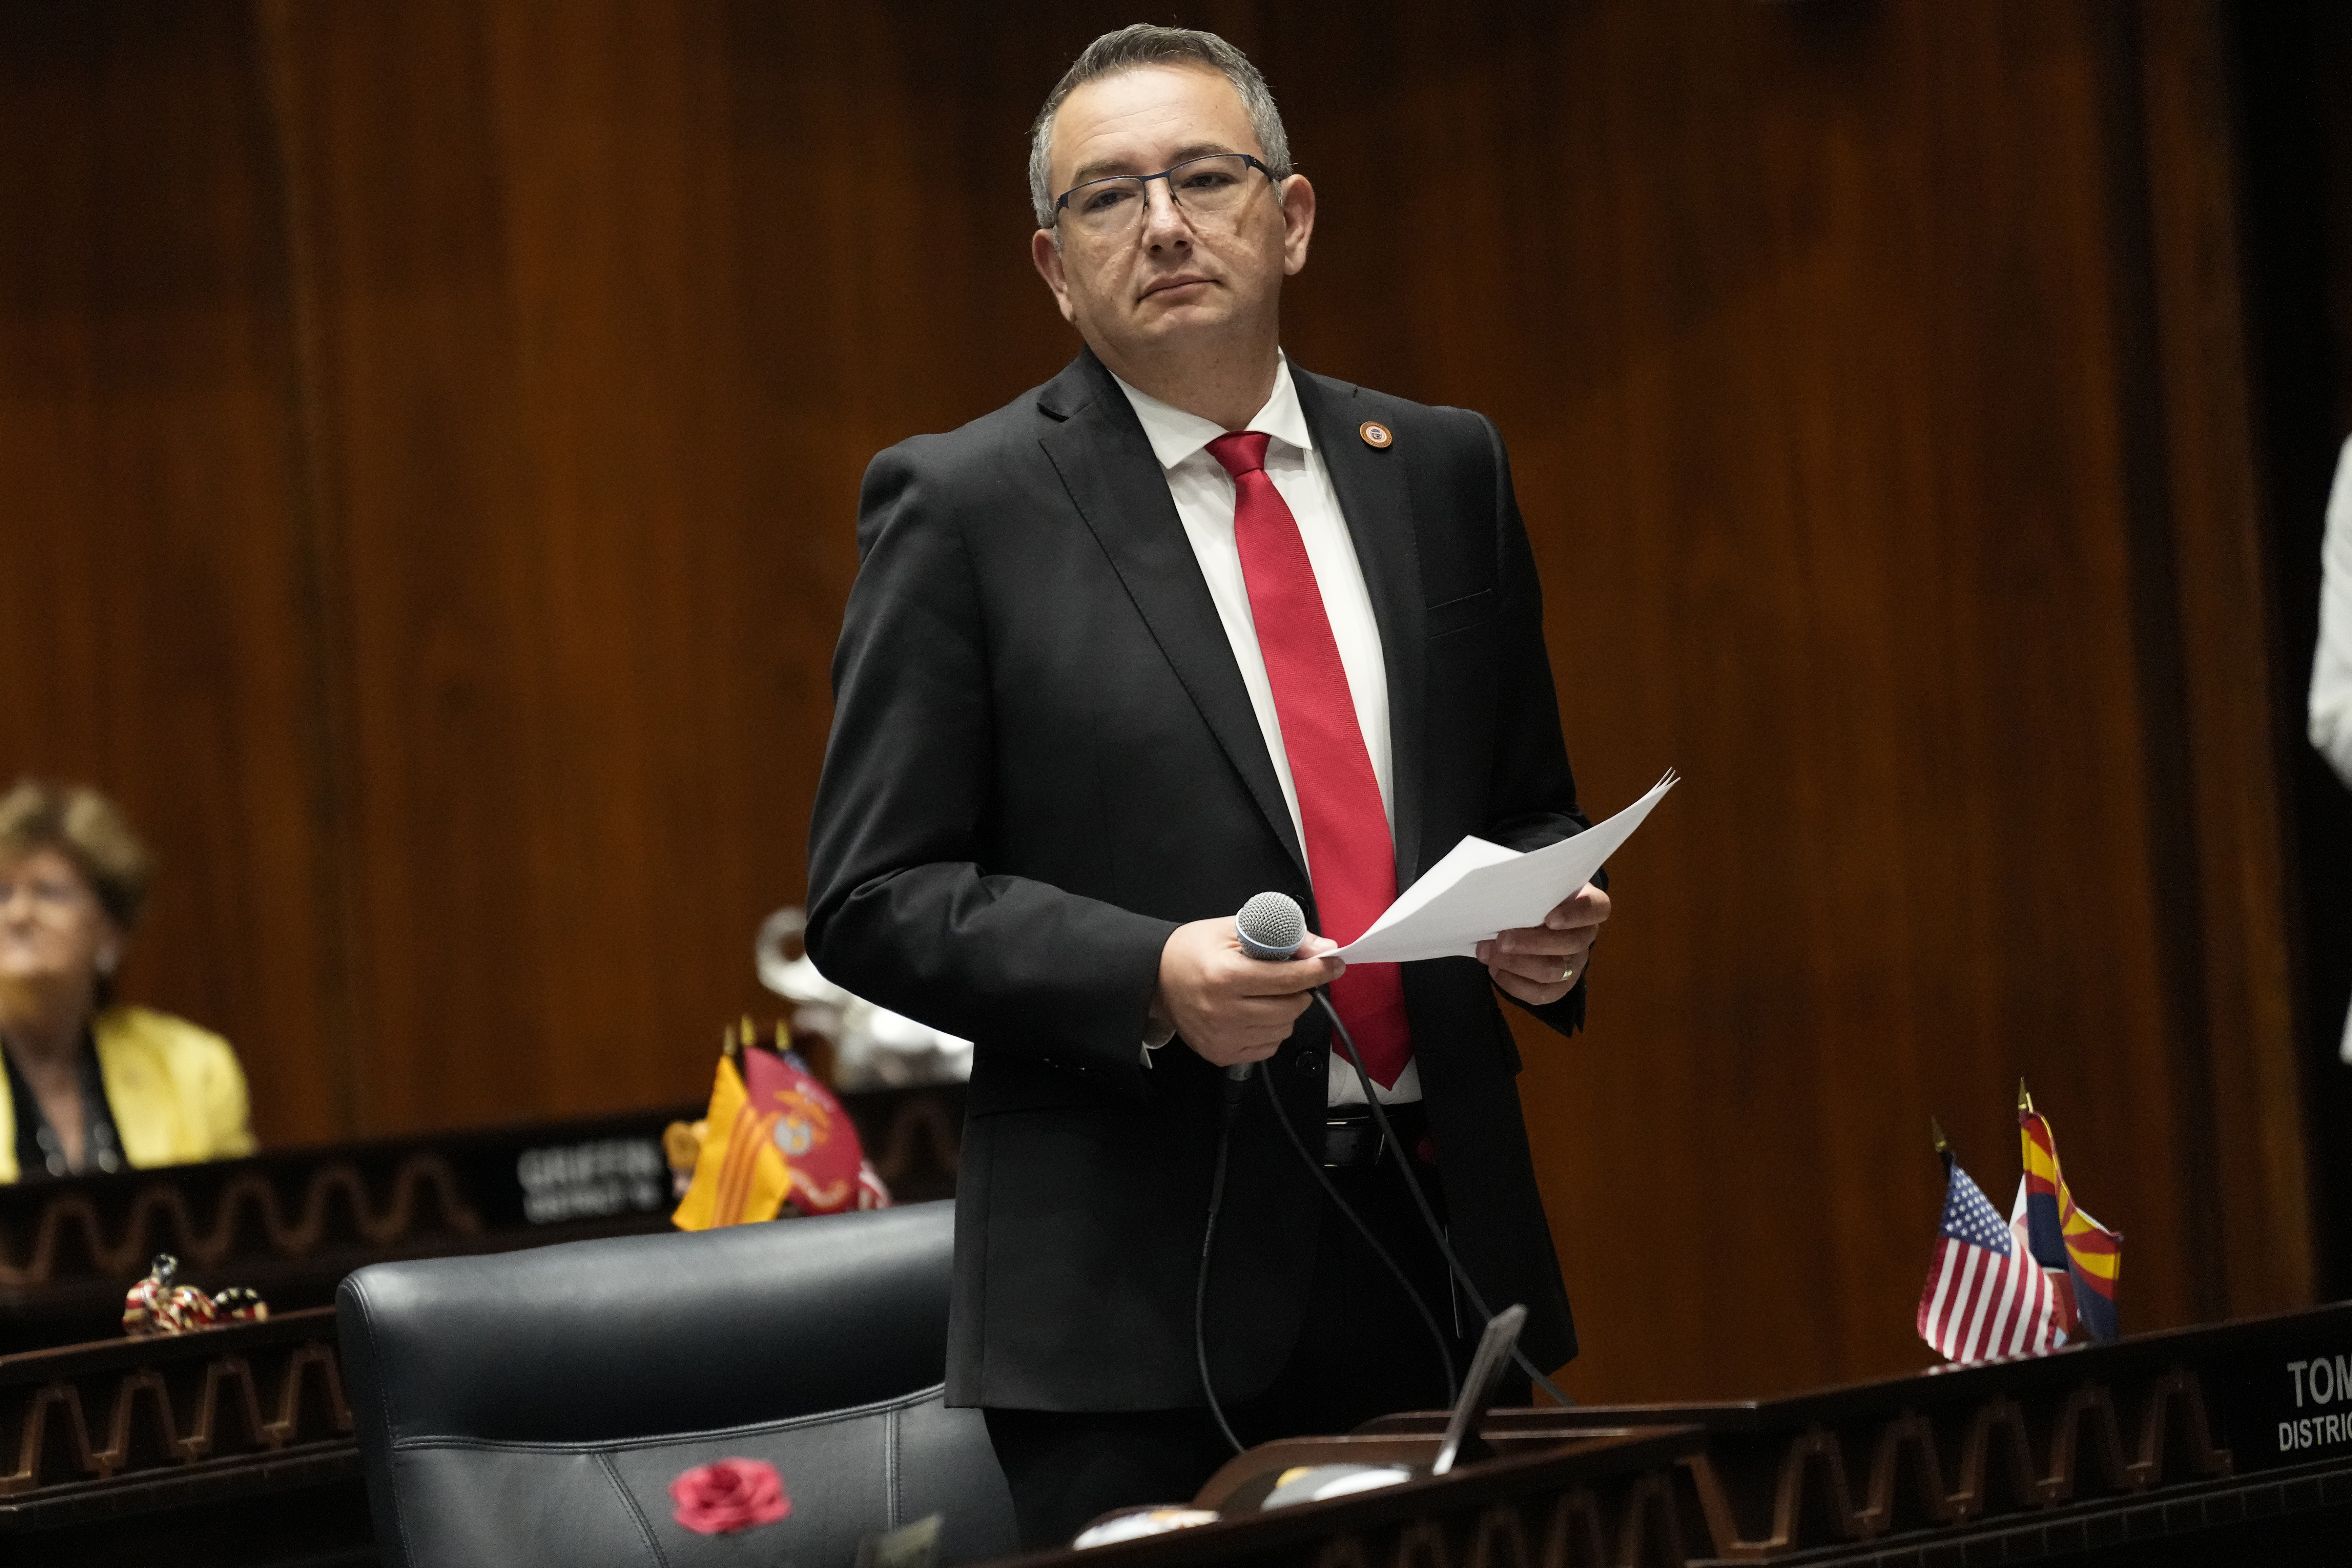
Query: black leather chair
pixel 532 1408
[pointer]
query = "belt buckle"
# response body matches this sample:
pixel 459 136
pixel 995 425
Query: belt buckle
pixel 1345 1140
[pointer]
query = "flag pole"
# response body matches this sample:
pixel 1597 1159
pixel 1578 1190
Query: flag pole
pixel 2024 1101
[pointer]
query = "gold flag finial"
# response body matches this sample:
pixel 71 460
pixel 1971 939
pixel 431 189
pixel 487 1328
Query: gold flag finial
pixel 1936 1130
pixel 2024 1101
pixel 746 1032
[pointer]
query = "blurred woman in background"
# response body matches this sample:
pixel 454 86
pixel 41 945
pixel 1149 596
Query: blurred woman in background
pixel 91 1085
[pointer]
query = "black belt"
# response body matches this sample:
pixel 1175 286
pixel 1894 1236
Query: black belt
pixel 1351 1138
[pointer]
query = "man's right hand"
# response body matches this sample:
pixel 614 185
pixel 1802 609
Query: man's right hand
pixel 1231 1007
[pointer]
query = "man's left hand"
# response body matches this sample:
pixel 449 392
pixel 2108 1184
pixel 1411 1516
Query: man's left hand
pixel 1540 964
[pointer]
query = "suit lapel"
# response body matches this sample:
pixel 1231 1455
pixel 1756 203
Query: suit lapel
pixel 1378 505
pixel 1107 465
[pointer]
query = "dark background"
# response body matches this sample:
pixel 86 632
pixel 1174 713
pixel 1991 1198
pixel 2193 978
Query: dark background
pixel 429 438
pixel 2294 63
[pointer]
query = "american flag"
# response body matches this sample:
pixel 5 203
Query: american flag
pixel 1985 1294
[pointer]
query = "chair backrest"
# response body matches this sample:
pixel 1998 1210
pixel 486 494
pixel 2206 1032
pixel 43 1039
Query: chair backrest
pixel 530 1407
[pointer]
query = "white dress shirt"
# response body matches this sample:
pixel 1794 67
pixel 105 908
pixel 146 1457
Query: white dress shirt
pixel 1203 493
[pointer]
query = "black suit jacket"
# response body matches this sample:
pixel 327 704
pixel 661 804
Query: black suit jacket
pixel 1043 759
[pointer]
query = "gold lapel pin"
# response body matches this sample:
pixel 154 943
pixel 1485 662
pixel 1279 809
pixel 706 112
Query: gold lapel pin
pixel 1376 435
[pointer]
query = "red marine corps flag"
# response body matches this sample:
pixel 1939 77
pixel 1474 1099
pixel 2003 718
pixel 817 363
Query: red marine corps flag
pixel 1985 1296
pixel 776 1141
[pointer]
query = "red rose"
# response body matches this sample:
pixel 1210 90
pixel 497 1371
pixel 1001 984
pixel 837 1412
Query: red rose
pixel 732 1494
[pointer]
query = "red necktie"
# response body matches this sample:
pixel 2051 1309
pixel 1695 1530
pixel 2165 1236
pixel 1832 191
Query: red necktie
pixel 1348 851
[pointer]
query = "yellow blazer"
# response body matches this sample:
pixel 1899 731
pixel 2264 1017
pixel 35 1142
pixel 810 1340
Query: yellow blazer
pixel 177 1091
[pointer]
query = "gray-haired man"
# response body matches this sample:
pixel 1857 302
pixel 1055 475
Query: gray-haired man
pixel 1184 625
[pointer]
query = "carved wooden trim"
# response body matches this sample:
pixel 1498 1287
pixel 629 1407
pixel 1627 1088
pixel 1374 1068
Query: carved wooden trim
pixel 1814 1451
pixel 232 1372
pixel 1995 1419
pixel 2179 1386
pixel 159 1220
pixel 1715 1507
pixel 1648 1517
pixel 1626 1520
pixel 1496 1540
pixel 408 1198
pixel 1574 1535
pixel 187 1429
pixel 32 1436
pixel 290 1393
pixel 2091 1401
pixel 2085 1448
pixel 1420 1544
pixel 127 1392
pixel 1906 1430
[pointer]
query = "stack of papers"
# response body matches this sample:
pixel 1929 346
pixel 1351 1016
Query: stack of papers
pixel 1480 889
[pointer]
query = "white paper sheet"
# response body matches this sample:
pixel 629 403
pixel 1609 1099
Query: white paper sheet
pixel 1481 889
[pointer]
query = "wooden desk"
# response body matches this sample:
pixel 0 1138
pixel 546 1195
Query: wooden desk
pixel 230 1444
pixel 232 1448
pixel 1596 1495
pixel 2198 1446
pixel 292 1223
pixel 2192 1446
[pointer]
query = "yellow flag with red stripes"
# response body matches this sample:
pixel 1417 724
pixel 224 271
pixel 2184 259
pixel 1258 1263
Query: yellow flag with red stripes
pixel 2062 1235
pixel 740 1176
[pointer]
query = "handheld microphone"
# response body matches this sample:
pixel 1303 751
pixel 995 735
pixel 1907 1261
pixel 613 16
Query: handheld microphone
pixel 1270 926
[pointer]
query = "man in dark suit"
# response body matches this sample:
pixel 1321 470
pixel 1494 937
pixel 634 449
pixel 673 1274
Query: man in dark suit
pixel 1184 625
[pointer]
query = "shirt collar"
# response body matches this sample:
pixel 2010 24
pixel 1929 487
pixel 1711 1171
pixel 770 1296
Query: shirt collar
pixel 1176 435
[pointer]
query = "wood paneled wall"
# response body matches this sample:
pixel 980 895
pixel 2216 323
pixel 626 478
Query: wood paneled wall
pixel 431 435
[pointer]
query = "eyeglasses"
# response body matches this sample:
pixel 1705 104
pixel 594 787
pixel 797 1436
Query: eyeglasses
pixel 1204 189
pixel 51 898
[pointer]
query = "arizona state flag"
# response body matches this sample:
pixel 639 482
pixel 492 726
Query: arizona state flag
pixel 2061 1235
pixel 740 1176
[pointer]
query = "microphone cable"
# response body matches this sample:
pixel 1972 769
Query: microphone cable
pixel 1331 1191
pixel 1231 1113
pixel 1421 1200
pixel 1404 1283
pixel 1272 926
